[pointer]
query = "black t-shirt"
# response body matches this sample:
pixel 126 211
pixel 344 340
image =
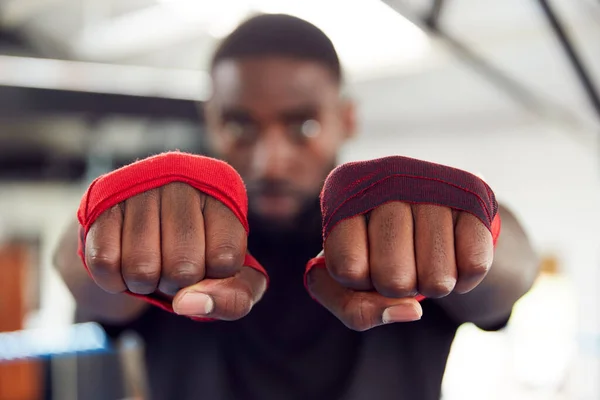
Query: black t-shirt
pixel 290 347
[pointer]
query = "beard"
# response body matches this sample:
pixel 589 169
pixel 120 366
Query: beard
pixel 306 216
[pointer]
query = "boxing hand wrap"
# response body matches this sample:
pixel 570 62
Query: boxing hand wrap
pixel 358 187
pixel 212 177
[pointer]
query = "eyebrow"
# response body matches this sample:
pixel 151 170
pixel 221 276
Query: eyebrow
pixel 296 113
pixel 290 114
pixel 237 115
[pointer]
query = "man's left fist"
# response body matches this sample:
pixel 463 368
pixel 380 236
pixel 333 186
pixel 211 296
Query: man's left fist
pixel 395 230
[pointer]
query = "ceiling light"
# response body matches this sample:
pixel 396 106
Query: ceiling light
pixel 368 34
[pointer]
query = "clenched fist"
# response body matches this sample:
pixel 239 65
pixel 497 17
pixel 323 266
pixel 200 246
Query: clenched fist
pixel 396 230
pixel 173 244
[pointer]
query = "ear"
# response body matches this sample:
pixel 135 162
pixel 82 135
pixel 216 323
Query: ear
pixel 207 110
pixel 211 121
pixel 349 118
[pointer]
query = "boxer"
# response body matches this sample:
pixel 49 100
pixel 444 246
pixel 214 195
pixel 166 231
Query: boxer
pixel 265 270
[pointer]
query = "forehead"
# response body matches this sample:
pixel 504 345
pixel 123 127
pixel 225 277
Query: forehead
pixel 272 82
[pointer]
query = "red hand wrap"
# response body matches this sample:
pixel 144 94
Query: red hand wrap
pixel 358 187
pixel 212 177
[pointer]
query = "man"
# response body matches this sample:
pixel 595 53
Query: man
pixel 172 230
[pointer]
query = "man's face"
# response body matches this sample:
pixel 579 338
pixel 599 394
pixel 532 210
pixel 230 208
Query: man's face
pixel 280 123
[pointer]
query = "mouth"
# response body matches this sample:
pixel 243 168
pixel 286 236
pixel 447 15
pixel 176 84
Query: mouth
pixel 275 205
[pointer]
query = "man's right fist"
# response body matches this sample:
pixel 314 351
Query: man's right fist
pixel 175 246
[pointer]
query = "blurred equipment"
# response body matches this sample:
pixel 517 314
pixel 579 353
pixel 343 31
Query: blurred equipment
pixel 131 356
pixel 430 20
pixel 590 88
pixel 20 380
pixel 72 70
pixel 36 343
pixel 543 331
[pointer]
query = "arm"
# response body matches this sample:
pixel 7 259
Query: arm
pixel 512 274
pixel 93 302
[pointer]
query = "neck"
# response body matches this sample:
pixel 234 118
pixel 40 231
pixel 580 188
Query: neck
pixel 306 224
pixel 304 235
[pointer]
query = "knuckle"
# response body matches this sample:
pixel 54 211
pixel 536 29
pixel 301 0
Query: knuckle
pixel 240 302
pixel 476 265
pixel 184 259
pixel 358 314
pixel 348 274
pixel 103 259
pixel 349 269
pixel 397 286
pixel 439 287
pixel 225 257
pixel 142 275
pixel 185 273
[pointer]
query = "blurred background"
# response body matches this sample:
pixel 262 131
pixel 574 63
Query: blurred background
pixel 506 89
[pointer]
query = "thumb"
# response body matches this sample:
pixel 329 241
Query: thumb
pixel 359 310
pixel 226 299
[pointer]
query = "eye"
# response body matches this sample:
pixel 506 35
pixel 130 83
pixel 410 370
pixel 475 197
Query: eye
pixel 242 133
pixel 306 129
pixel 311 128
pixel 232 128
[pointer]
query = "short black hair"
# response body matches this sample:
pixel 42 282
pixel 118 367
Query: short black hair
pixel 279 35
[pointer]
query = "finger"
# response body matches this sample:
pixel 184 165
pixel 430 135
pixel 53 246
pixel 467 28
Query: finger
pixel 103 250
pixel 347 254
pixel 474 252
pixel 434 247
pixel 225 240
pixel 360 310
pixel 391 250
pixel 182 237
pixel 140 257
pixel 226 299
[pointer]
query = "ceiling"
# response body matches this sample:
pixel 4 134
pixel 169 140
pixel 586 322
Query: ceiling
pixel 487 64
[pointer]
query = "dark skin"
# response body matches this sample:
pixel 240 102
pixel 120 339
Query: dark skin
pixel 256 119
pixel 280 123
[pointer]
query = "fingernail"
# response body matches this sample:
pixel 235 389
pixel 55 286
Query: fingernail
pixel 402 313
pixel 194 304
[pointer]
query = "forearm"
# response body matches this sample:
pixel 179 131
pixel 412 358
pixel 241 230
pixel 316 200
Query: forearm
pixel 93 303
pixel 512 274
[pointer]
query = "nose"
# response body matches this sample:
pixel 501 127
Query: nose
pixel 273 154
